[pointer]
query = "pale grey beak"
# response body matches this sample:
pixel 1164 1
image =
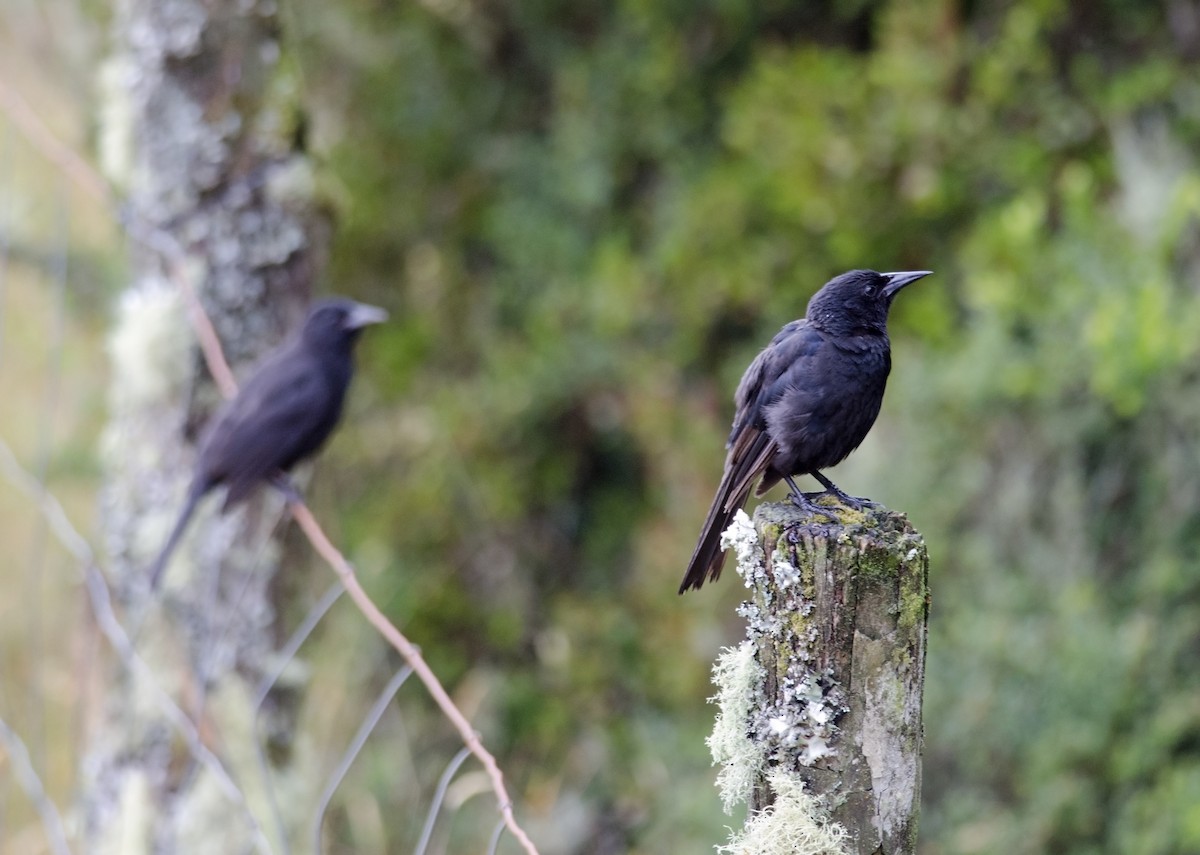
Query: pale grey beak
pixel 896 281
pixel 363 315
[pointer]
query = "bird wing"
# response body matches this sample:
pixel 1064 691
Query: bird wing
pixel 279 416
pixel 827 398
pixel 757 385
pixel 750 447
pixel 788 363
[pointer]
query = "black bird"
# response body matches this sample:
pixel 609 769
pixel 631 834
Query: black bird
pixel 805 403
pixel 281 415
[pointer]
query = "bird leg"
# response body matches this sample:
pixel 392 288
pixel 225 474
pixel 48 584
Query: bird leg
pixel 846 499
pixel 282 482
pixel 802 501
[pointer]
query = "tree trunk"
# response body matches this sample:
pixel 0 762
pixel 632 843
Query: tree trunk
pixel 196 135
pixel 826 689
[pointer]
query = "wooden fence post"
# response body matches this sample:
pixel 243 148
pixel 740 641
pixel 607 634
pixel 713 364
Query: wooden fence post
pixel 820 707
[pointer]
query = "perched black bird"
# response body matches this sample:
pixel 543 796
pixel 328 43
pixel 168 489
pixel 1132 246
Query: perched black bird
pixel 805 403
pixel 283 413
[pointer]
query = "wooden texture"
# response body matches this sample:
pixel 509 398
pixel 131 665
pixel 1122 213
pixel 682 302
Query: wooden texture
pixel 838 617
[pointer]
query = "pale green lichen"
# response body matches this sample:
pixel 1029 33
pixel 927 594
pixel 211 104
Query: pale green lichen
pixel 114 140
pixel 795 824
pixel 801 705
pixel 147 349
pixel 797 726
pixel 738 678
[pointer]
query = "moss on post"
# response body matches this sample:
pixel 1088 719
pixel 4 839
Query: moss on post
pixel 836 630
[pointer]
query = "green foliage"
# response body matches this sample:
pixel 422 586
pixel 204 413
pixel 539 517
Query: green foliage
pixel 588 217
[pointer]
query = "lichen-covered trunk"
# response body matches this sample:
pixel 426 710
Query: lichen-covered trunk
pixel 197 138
pixel 834 663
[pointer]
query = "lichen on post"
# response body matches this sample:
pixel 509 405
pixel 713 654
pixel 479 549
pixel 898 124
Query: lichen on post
pixel 819 729
pixel 197 137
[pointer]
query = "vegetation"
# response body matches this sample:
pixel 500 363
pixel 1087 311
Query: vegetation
pixel 587 217
pixel 591 215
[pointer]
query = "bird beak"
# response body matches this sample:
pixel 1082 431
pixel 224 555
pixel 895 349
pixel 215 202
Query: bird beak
pixel 896 281
pixel 363 315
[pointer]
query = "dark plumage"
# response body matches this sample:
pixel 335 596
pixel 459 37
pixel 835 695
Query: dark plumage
pixel 805 403
pixel 281 415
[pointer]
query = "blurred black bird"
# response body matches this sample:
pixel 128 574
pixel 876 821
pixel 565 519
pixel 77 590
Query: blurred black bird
pixel 805 403
pixel 281 415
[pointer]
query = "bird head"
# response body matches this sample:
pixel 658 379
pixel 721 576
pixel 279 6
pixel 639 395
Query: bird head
pixel 338 323
pixel 858 301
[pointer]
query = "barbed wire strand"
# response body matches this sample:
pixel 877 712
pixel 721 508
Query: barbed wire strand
pixel 98 591
pixel 49 507
pixel 412 655
pixel 6 220
pixel 87 663
pixel 497 833
pixel 332 594
pixel 31 783
pixel 28 122
pixel 101 601
pixel 438 797
pixel 35 567
pixel 356 744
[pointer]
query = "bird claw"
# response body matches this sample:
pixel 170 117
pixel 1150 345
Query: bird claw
pixel 856 503
pixel 832 489
pixel 804 503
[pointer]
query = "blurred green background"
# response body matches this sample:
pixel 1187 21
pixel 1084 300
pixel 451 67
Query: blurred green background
pixel 586 217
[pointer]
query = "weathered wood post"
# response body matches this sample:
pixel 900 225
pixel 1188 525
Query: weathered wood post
pixel 820 707
pixel 197 139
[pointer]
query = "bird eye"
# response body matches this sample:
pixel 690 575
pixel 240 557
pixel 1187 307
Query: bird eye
pixel 869 290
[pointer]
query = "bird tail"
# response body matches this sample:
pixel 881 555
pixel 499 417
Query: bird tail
pixel 751 461
pixel 195 493
pixel 709 558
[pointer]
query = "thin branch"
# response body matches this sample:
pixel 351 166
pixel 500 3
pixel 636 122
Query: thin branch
pixel 165 244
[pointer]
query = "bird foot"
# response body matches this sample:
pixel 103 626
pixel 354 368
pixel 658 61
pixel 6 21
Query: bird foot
pixel 282 482
pixel 804 503
pixel 852 502
pixel 856 503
